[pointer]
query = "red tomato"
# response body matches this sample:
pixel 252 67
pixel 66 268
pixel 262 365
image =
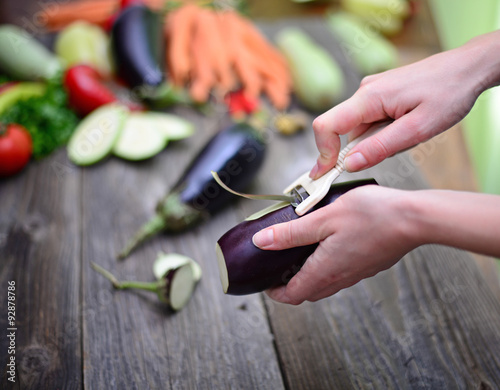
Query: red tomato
pixel 15 149
pixel 86 90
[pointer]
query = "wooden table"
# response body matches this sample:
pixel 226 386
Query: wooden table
pixel 430 322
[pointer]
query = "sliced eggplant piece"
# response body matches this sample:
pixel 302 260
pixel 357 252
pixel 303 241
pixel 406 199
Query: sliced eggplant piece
pixel 168 261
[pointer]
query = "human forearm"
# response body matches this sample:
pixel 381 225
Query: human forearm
pixel 485 62
pixel 469 221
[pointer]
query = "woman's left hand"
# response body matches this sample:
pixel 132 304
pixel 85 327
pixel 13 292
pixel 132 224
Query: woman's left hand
pixel 362 233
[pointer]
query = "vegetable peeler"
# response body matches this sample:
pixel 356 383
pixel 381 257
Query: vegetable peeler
pixel 309 192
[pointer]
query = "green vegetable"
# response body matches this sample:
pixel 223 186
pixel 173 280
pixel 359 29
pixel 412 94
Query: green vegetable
pixel 96 135
pixel 317 78
pixel 173 127
pixel 139 140
pixel 48 118
pixel 85 43
pixel 386 16
pixel 16 92
pixel 5 78
pixel 369 51
pixel 146 134
pixel 23 57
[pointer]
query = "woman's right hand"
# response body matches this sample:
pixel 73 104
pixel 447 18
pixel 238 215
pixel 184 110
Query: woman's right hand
pixel 423 99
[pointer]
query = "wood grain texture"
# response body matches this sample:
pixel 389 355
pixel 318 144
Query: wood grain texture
pixel 40 251
pixel 132 341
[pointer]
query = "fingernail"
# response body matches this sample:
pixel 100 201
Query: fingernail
pixel 314 171
pixel 355 162
pixel 264 238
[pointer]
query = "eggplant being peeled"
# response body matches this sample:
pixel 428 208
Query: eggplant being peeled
pixel 246 269
pixel 235 153
pixel 137 43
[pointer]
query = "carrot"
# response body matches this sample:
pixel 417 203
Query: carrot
pixel 179 29
pixel 203 74
pixel 258 42
pixel 278 93
pixel 92 11
pixel 249 77
pixel 267 68
pixel 222 56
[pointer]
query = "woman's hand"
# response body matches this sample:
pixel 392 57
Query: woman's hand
pixel 423 99
pixel 358 237
pixel 370 228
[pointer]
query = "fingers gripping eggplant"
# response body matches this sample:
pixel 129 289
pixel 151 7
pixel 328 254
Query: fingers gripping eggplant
pixel 246 269
pixel 236 153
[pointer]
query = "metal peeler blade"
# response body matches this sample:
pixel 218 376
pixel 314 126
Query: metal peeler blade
pixel 312 191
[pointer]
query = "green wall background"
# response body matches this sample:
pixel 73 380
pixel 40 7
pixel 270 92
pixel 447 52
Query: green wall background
pixel 457 21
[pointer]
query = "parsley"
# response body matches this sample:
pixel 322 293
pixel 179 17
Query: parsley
pixel 48 118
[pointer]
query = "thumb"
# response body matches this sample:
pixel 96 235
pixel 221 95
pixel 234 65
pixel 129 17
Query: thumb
pixel 299 232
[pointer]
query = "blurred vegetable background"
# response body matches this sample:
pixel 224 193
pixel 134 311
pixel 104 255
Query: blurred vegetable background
pixel 152 54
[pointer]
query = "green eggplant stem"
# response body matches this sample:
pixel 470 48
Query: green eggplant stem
pixel 149 229
pixel 165 96
pixel 126 284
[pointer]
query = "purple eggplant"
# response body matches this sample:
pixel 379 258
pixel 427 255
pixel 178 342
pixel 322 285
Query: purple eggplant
pixel 137 46
pixel 136 38
pixel 246 269
pixel 235 153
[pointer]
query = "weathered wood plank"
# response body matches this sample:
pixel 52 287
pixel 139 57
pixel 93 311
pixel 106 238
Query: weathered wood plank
pixel 131 341
pixel 39 250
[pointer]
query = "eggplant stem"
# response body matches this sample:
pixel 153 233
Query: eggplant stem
pixel 126 284
pixel 149 229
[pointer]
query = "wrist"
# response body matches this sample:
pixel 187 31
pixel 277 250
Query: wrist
pixel 482 54
pixel 416 211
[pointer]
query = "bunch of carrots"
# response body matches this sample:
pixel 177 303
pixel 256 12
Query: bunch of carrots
pixel 219 51
pixel 208 50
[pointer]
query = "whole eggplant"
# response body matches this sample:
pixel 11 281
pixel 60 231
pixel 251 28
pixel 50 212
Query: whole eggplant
pixel 246 269
pixel 236 153
pixel 137 43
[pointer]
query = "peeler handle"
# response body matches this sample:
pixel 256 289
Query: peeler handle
pixel 317 189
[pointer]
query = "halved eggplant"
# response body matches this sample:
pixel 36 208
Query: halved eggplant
pixel 246 269
pixel 176 278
